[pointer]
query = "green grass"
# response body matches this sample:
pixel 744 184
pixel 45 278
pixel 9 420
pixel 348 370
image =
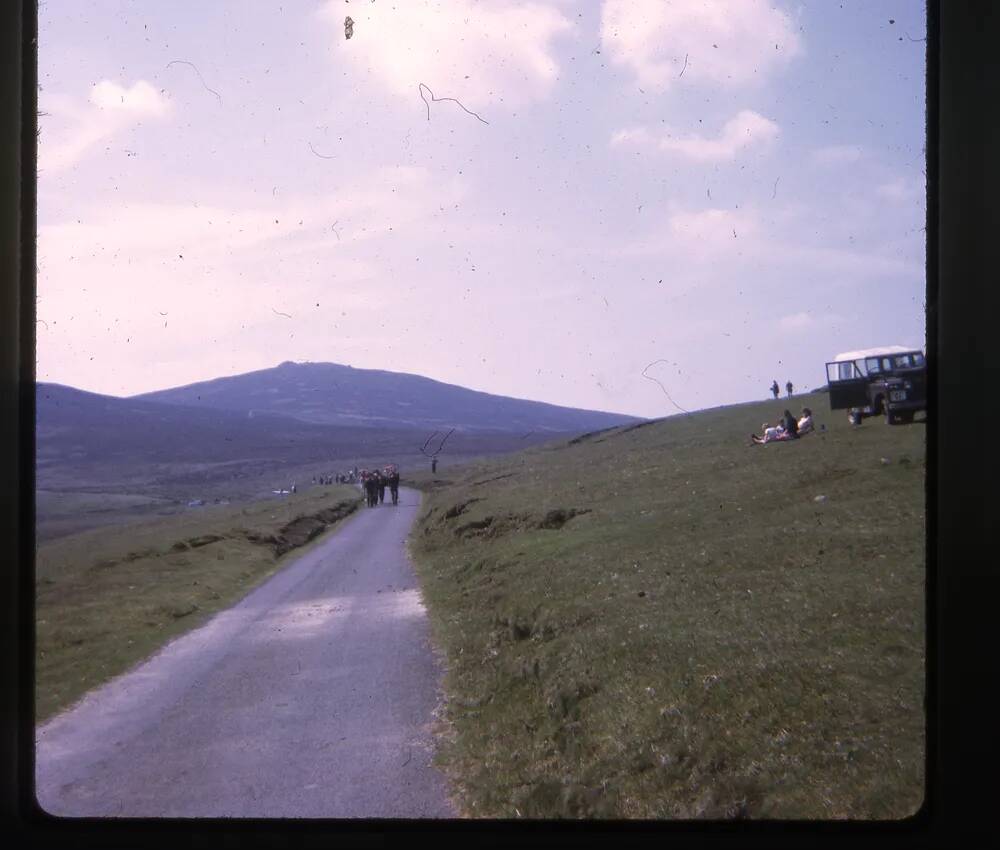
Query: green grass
pixel 107 598
pixel 58 513
pixel 703 639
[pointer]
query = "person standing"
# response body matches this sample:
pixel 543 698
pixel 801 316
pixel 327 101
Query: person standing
pixel 775 389
pixel 434 465
pixel 788 387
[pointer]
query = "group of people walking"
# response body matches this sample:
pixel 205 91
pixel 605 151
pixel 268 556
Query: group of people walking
pixel 374 482
pixel 349 477
pixel 786 428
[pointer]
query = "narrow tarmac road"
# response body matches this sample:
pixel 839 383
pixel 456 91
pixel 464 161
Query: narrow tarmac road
pixel 311 698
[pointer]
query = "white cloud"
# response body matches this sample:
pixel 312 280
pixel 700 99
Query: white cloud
pixel 745 129
pixel 153 232
pixel 745 238
pixel 193 261
pixel 712 225
pixel 728 43
pixel 139 99
pixel 837 155
pixel 697 237
pixel 112 108
pixel 806 322
pixel 797 322
pixel 900 190
pixel 637 135
pixel 477 53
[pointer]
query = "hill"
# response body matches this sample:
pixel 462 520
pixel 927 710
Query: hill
pixel 664 621
pixel 332 394
pixel 102 459
pixel 75 424
pixel 123 437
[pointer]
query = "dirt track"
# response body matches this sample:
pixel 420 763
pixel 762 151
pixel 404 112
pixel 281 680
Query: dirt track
pixel 311 698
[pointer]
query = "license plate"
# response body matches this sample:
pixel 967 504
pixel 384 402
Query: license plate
pixel 897 395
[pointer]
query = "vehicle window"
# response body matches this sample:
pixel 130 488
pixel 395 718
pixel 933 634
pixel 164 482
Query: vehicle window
pixel 840 371
pixel 872 366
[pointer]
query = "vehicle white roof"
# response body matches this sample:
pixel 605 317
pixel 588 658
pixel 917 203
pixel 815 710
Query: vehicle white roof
pixel 873 352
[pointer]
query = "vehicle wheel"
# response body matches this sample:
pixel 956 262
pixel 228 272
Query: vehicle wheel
pixel 906 417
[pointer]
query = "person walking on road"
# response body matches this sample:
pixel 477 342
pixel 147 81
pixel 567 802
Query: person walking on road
pixel 775 389
pixel 371 488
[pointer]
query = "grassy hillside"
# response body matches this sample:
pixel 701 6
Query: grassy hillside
pixel 106 600
pixel 664 621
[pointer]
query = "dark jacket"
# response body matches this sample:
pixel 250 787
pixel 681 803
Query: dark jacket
pixel 790 425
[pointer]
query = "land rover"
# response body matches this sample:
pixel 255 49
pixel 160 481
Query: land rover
pixel 890 381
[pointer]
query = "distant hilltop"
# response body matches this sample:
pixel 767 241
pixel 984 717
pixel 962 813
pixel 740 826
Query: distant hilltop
pixel 334 394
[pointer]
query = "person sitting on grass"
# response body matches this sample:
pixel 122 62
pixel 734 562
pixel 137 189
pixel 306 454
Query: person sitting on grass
pixel 790 425
pixel 806 422
pixel 769 433
pixel 787 428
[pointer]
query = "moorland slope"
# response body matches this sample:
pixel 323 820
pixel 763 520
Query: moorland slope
pixel 666 621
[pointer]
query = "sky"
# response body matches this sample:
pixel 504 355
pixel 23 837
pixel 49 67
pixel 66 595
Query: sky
pixel 640 206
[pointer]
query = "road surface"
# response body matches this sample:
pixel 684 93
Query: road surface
pixel 311 698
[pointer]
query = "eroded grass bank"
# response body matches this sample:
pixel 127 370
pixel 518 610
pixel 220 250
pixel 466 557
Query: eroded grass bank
pixel 665 622
pixel 107 598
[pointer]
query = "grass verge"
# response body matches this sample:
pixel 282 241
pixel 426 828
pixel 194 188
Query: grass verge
pixel 106 599
pixel 664 621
